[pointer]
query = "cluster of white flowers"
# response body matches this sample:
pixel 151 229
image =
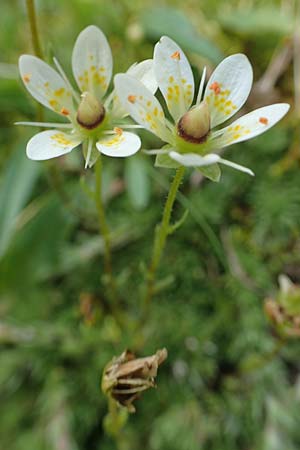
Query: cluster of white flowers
pixel 96 118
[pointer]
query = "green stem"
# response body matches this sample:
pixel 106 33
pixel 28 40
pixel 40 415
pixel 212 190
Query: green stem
pixel 30 6
pixel 161 234
pixel 33 28
pixel 103 228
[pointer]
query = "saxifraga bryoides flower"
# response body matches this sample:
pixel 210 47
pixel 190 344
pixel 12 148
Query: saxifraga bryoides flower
pixel 95 118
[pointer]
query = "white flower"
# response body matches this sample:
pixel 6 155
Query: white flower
pixel 191 138
pixel 95 118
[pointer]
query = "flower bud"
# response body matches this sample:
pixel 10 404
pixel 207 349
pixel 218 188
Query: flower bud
pixel 284 312
pixel 90 112
pixel 194 125
pixel 126 376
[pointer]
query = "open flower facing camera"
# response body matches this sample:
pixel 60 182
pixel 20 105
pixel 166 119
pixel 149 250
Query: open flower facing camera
pixel 95 118
pixel 191 137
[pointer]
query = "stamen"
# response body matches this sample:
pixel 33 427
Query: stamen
pixel 176 55
pixel 131 98
pixel 88 155
pixel 118 131
pixel 65 78
pixel 201 86
pixel 215 86
pixel 263 120
pixel 45 124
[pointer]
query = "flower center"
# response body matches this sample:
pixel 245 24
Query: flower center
pixel 90 112
pixel 194 125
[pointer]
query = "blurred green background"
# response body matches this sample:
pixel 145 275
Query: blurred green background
pixel 224 385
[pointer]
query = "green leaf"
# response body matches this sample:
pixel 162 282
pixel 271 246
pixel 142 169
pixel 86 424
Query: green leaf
pixel 179 222
pixel 173 23
pixel 213 172
pixel 137 181
pixel 16 189
pixel 258 21
pixel 164 160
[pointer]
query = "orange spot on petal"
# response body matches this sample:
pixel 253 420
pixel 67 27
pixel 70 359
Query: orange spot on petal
pixel 263 120
pixel 131 98
pixel 215 87
pixel 176 55
pixel 65 111
pixel 26 78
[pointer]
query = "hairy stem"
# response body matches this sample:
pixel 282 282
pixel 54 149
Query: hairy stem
pixel 104 230
pixel 161 234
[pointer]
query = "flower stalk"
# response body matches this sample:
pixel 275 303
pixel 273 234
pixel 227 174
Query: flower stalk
pixel 161 234
pixel 104 230
pixel 34 29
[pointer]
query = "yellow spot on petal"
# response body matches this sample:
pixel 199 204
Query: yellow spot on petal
pixel 183 81
pixel 53 103
pixel 59 92
pixel 116 140
pixel 61 140
pixel 171 79
pixel 148 103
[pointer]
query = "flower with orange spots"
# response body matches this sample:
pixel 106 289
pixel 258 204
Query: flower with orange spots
pixel 191 136
pixel 95 118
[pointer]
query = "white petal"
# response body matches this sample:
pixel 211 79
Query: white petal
pixel 50 144
pixel 92 61
pixel 141 104
pixel 144 72
pixel 119 145
pixel 174 76
pixel 45 85
pixel 236 166
pixel 228 88
pixel 251 124
pixel 191 159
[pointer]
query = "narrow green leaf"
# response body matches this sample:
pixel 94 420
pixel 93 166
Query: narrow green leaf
pixel 17 185
pixel 179 222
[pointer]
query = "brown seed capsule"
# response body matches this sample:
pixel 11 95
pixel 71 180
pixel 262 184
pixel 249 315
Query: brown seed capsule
pixel 194 125
pixel 126 376
pixel 90 112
